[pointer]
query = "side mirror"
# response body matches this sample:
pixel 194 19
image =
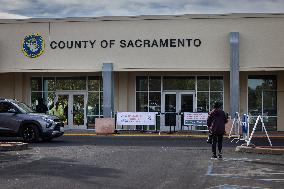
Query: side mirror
pixel 12 111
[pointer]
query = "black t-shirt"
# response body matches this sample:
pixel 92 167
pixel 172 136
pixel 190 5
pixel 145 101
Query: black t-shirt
pixel 41 108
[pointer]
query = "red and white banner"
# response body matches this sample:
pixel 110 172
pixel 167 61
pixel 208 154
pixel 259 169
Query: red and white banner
pixel 136 118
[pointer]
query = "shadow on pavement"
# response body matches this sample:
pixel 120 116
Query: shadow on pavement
pixel 58 168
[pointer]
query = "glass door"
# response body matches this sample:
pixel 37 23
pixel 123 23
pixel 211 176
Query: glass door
pixel 169 112
pixel 72 109
pixel 78 110
pixel 186 104
pixel 174 104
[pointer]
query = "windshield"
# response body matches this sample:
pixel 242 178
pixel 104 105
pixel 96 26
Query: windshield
pixel 23 107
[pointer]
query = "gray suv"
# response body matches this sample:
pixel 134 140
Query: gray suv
pixel 17 119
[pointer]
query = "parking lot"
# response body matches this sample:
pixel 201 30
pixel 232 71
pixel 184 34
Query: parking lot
pixel 138 162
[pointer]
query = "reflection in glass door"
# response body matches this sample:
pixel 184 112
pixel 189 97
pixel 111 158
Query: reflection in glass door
pixel 63 99
pixel 72 105
pixel 78 109
pixel 186 104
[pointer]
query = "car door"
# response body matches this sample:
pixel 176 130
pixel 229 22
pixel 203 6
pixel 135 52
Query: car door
pixel 9 121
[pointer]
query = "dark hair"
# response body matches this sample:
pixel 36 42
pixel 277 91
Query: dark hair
pixel 217 105
pixel 40 100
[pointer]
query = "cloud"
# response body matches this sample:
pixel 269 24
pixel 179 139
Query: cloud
pixel 4 15
pixel 93 8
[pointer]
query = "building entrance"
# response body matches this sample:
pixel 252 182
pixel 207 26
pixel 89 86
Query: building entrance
pixel 72 108
pixel 174 103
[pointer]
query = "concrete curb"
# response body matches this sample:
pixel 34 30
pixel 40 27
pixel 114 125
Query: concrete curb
pixel 156 135
pixel 13 146
pixel 278 150
pixel 136 135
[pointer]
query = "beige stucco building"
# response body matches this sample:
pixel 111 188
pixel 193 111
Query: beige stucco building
pixel 168 64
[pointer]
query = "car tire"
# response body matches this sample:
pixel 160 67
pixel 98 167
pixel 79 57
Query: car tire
pixel 30 133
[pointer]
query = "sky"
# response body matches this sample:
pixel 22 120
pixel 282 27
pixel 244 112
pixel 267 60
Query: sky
pixel 21 9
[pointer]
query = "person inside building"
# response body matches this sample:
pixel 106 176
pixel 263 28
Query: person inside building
pixel 216 121
pixel 41 107
pixel 57 110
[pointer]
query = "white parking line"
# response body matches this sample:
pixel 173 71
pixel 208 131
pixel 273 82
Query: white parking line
pixel 276 180
pixel 210 172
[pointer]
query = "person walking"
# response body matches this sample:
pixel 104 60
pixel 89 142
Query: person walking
pixel 216 121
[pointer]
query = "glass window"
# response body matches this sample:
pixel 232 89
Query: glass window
pixel 216 96
pixel 91 122
pixel 142 101
pixel 203 102
pixel 95 99
pixel 216 83
pixel 48 84
pixel 49 99
pixel 93 105
pixel 179 83
pixel 5 107
pixel 269 122
pixel 94 83
pixel 34 100
pixel 141 83
pixel 265 82
pixel 254 101
pixel 262 94
pixel 154 101
pixel 45 87
pixel 262 99
pixel 102 103
pixel 203 83
pixel 101 84
pixel 36 84
pixel 270 103
pixel 154 83
pixel 145 103
pixel 71 83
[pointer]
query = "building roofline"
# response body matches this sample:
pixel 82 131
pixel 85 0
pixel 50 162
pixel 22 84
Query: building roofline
pixel 145 17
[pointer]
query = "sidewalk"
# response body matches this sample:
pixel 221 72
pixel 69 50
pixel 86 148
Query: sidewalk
pixel 199 134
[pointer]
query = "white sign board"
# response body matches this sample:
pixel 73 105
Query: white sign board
pixel 195 118
pixel 136 118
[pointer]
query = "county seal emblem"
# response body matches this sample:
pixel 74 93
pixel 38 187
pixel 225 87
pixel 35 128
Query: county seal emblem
pixel 33 45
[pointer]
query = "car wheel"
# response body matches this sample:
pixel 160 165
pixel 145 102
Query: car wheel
pixel 30 133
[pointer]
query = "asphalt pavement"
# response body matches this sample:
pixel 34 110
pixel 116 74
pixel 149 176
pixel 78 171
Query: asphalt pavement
pixel 138 162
